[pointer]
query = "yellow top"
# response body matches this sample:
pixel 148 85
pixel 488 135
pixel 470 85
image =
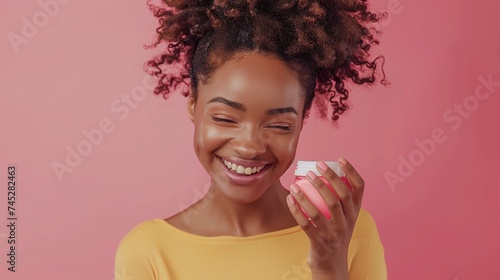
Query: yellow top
pixel 155 249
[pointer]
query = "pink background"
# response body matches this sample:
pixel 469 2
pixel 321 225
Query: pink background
pixel 440 221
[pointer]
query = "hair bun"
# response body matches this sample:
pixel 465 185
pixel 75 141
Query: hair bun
pixel 327 41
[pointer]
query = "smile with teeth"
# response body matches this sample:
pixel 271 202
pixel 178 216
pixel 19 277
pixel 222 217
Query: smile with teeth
pixel 241 169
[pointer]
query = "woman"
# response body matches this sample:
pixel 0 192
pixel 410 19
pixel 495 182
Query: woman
pixel 253 70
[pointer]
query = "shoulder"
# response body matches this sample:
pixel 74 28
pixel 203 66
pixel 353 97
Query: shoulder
pixel 135 256
pixel 366 226
pixel 366 251
pixel 141 238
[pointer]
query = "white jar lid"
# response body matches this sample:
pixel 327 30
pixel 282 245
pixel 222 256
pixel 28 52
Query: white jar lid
pixel 304 166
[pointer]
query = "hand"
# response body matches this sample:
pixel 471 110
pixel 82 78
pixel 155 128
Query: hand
pixel 329 239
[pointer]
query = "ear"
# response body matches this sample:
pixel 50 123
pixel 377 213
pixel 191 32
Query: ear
pixel 190 105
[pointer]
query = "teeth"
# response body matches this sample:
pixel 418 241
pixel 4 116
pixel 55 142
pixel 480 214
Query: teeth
pixel 241 169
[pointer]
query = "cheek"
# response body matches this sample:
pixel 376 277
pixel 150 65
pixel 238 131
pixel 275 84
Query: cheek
pixel 207 138
pixel 292 145
pixel 285 148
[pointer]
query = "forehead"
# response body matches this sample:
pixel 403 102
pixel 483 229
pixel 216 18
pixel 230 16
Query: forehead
pixel 258 77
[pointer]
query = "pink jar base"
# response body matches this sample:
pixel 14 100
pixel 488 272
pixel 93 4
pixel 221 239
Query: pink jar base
pixel 313 195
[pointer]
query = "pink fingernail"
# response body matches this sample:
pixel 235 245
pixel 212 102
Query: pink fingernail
pixel 322 165
pixel 294 188
pixel 342 161
pixel 290 199
pixel 311 175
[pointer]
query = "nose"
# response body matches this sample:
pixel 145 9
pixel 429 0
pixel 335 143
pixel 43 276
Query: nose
pixel 249 143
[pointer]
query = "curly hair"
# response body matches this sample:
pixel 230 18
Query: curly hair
pixel 327 42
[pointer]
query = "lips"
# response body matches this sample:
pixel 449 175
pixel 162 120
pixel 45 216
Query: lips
pixel 244 179
pixel 245 163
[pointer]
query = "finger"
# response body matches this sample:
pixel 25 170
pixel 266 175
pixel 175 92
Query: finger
pixel 330 198
pixel 357 183
pixel 307 226
pixel 343 193
pixel 313 214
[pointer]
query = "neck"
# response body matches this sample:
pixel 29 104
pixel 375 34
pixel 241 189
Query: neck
pixel 242 218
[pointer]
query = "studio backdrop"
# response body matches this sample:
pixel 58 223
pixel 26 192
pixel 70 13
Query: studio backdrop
pixel 87 151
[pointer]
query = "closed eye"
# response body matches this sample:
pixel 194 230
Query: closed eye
pixel 285 128
pixel 221 120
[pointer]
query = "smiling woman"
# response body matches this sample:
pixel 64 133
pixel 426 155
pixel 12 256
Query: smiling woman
pixel 248 117
pixel 254 69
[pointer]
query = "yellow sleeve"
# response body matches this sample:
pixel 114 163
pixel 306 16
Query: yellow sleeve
pixel 368 259
pixel 133 259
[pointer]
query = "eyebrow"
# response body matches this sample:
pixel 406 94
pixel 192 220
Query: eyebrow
pixel 240 107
